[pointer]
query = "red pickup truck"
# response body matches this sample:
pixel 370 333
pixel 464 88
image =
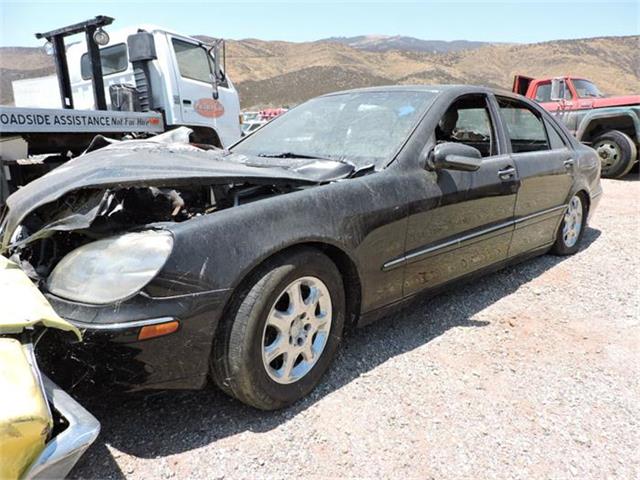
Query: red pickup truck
pixel 611 125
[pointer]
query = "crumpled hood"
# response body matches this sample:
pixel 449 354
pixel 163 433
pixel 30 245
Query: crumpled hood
pixel 151 164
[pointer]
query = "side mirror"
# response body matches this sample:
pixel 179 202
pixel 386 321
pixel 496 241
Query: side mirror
pixel 142 50
pixel 216 77
pixel 454 156
pixel 557 89
pixel 214 86
pixel 141 47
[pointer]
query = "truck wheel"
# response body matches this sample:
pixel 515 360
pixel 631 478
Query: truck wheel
pixel 281 331
pixel 617 153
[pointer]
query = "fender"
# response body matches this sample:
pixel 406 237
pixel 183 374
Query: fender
pixel 206 135
pixel 366 233
pixel 631 113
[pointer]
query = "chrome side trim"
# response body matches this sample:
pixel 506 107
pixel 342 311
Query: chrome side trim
pixel 121 325
pixel 425 251
pixel 404 259
pixel 539 214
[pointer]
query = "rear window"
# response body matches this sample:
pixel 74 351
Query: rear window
pixel 113 59
pixel 526 129
pixel 543 93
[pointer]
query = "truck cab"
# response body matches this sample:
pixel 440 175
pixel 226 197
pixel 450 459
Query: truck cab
pixel 609 124
pixel 568 93
pixel 185 86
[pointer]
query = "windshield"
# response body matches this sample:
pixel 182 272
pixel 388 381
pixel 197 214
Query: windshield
pixel 361 128
pixel 586 89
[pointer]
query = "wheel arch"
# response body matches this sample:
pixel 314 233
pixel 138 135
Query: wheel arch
pixel 205 135
pixel 580 187
pixel 342 260
pixel 587 199
pixel 598 123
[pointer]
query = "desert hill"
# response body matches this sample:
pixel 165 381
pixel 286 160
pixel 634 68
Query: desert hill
pixel 274 73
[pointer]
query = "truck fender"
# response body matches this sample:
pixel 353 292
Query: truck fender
pixel 583 132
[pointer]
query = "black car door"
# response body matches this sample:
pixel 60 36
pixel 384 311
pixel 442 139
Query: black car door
pixel 545 165
pixel 469 225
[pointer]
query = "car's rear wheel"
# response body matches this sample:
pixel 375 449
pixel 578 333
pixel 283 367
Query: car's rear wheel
pixel 281 331
pixel 572 227
pixel 617 153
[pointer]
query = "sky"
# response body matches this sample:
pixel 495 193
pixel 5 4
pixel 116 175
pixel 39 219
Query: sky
pixel 514 21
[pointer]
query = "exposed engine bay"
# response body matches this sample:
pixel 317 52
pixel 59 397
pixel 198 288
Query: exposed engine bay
pixel 124 186
pixel 87 215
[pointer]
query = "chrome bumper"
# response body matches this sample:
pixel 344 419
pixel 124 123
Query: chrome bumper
pixel 62 452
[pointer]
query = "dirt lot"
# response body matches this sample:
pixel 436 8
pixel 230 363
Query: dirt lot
pixel 533 372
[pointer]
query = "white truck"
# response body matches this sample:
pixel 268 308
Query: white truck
pixel 138 81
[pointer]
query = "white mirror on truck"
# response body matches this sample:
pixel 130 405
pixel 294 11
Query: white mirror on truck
pixel 557 89
pixel 142 51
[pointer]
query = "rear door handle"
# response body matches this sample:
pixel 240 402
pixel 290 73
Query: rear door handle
pixel 569 163
pixel 507 173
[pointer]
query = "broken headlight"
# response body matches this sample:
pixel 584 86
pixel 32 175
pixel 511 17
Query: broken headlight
pixel 112 269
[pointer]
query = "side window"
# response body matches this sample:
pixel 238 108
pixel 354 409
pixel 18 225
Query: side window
pixel 193 61
pixel 468 121
pixel 525 126
pixel 543 92
pixel 113 59
pixel 556 141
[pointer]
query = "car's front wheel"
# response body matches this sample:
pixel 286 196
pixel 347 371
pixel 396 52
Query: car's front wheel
pixel 572 227
pixel 281 331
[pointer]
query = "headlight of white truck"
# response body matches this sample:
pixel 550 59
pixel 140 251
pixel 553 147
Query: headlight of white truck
pixel 112 269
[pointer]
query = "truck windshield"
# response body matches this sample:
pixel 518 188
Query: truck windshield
pixel 361 127
pixel 586 89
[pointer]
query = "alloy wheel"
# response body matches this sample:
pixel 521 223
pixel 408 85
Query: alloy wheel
pixel 572 222
pixel 296 330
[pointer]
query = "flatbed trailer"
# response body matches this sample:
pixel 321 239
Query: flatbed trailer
pixel 21 120
pixel 135 83
pixel 36 140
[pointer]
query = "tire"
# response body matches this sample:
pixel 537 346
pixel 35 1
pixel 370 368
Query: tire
pixel 617 153
pixel 262 320
pixel 572 227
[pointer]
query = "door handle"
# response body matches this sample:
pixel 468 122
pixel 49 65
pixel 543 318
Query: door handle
pixel 506 173
pixel 569 163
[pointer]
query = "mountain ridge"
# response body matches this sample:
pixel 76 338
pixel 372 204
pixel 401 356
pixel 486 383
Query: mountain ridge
pixel 275 73
pixel 383 43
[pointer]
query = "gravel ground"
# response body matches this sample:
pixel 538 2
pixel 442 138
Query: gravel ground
pixel 533 372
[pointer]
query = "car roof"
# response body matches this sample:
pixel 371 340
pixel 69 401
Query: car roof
pixel 449 89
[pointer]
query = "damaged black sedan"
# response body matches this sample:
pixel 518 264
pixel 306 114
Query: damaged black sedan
pixel 248 265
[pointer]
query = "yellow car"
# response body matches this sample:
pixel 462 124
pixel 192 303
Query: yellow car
pixel 43 431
